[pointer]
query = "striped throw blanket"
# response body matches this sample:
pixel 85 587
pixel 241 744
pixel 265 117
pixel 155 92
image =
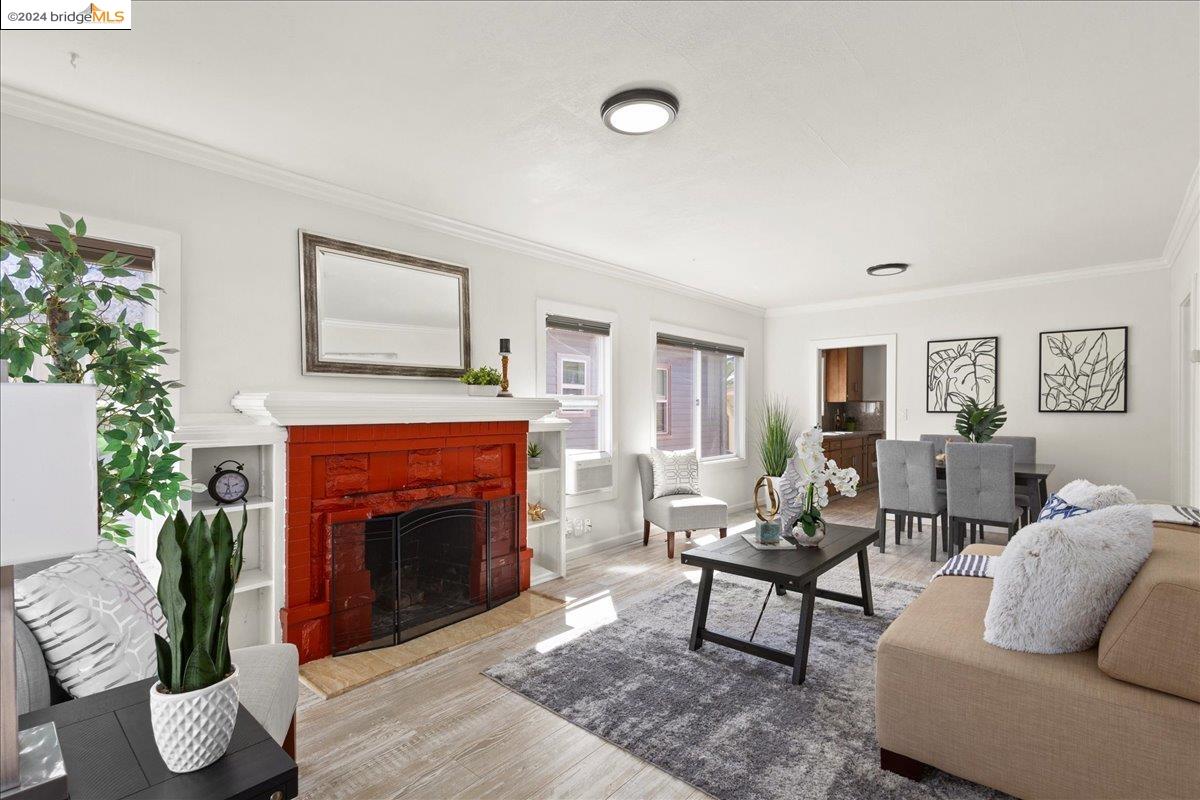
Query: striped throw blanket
pixel 1179 515
pixel 971 566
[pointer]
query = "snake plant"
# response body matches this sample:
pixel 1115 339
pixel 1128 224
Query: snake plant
pixel 200 565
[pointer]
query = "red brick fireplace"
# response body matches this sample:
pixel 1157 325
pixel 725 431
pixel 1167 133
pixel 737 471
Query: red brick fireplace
pixel 341 472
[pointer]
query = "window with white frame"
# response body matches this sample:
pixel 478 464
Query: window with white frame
pixel 662 400
pixel 578 371
pixel 698 393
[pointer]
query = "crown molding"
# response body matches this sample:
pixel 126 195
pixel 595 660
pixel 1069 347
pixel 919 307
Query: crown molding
pixel 43 110
pixel 955 290
pixel 1184 220
pixel 68 117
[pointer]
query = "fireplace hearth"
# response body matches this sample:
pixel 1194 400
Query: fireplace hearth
pixel 397 576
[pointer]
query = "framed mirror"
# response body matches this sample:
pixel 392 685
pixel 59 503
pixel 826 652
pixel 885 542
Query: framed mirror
pixel 370 311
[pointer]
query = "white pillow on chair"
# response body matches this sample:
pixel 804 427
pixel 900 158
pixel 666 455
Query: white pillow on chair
pixel 675 472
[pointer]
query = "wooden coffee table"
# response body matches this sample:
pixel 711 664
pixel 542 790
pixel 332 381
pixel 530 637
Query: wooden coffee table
pixel 795 569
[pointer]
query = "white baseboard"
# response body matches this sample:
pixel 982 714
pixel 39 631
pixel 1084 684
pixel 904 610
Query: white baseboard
pixel 596 545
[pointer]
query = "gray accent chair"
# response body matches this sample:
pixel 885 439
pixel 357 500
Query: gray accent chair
pixel 1024 452
pixel 677 512
pixel 908 489
pixel 268 678
pixel 980 489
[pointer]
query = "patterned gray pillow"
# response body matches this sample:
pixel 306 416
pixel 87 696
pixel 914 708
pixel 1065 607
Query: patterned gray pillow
pixel 94 616
pixel 675 472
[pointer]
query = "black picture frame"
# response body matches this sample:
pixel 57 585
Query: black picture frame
pixel 929 349
pixel 1124 366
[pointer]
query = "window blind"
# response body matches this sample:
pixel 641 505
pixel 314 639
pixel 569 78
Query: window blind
pixel 580 325
pixel 93 249
pixel 699 344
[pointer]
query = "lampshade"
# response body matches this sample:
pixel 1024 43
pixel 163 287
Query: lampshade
pixel 47 470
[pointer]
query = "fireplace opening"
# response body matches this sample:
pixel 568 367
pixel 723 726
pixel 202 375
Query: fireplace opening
pixel 398 576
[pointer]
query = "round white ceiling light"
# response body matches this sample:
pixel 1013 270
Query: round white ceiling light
pixel 883 270
pixel 639 111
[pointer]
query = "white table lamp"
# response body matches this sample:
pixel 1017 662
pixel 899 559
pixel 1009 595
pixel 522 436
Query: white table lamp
pixel 47 510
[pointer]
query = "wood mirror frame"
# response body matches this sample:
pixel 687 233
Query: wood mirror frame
pixel 311 245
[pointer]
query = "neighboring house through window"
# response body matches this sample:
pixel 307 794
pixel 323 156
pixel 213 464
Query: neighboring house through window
pixel 662 400
pixel 698 396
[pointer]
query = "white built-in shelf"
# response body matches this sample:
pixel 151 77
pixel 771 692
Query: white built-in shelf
pixel 252 579
pixel 540 574
pixel 202 502
pixel 544 471
pixel 542 523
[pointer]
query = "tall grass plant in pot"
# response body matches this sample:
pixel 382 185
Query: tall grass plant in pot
pixel 194 704
pixel 776 445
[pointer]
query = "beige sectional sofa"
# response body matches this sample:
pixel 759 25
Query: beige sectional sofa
pixel 1121 720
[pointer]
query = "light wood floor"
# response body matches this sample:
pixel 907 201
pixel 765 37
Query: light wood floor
pixel 443 730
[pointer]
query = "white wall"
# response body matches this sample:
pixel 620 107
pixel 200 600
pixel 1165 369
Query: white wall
pixel 240 295
pixel 1129 448
pixel 874 369
pixel 1185 283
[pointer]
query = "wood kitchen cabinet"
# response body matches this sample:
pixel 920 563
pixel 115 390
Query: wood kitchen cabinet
pixel 854 450
pixel 843 375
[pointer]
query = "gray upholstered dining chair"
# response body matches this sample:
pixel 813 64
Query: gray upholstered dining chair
pixel 980 489
pixel 677 512
pixel 908 489
pixel 1024 452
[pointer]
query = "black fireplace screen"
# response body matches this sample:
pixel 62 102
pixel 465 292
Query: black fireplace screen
pixel 398 576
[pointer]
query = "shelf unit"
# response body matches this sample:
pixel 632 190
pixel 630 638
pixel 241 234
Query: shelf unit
pixel 545 485
pixel 207 441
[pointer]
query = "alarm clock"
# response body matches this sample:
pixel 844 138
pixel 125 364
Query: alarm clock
pixel 228 485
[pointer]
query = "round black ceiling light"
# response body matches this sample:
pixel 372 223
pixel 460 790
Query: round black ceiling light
pixel 883 270
pixel 639 111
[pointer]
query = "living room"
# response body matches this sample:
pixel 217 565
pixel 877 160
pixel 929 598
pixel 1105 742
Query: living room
pixel 487 340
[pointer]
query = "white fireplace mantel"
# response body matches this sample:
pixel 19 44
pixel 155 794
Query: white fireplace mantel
pixel 357 408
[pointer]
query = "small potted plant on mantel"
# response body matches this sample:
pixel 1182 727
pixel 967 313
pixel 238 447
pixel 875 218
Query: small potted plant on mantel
pixel 194 704
pixel 482 381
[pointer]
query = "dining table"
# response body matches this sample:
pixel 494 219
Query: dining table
pixel 1030 474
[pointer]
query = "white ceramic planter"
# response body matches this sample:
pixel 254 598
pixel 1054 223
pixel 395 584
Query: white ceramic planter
pixel 482 391
pixel 192 729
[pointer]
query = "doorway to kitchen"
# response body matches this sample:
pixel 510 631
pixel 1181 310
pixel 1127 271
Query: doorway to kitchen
pixel 854 386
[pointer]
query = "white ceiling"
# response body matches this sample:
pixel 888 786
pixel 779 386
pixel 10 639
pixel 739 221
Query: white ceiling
pixel 975 140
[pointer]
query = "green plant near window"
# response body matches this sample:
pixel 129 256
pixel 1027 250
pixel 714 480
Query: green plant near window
pixel 533 450
pixel 978 423
pixel 775 443
pixel 200 565
pixel 62 318
pixel 481 376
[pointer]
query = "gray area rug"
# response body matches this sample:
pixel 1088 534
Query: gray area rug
pixel 725 722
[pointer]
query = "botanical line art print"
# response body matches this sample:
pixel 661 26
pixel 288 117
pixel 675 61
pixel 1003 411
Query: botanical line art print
pixel 1083 370
pixel 959 370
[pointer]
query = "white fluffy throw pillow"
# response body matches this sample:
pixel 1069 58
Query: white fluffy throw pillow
pixel 675 472
pixel 1058 580
pixel 1083 493
pixel 94 616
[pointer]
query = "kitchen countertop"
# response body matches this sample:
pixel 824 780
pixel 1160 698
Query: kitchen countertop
pixel 851 434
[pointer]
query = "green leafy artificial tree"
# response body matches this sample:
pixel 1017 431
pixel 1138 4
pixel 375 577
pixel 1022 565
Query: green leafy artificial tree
pixel 978 423
pixel 64 319
pixel 200 566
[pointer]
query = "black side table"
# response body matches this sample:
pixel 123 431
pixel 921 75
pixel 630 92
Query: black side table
pixel 110 754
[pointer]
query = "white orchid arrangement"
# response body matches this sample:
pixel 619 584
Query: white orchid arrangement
pixel 804 487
